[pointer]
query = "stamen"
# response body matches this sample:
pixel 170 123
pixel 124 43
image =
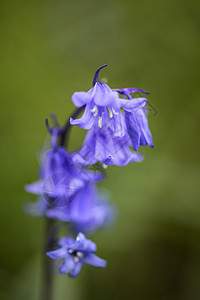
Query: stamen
pixel 115 112
pixel 79 254
pixel 110 112
pixel 96 113
pixel 95 110
pixel 100 122
pixel 70 251
pixel 76 258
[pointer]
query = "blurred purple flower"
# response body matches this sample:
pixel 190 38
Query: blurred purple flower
pixel 76 253
pixel 101 145
pixel 37 208
pixel 61 179
pixel 88 211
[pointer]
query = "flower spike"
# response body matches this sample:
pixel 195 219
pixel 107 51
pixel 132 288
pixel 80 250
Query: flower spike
pixel 97 74
pixel 116 121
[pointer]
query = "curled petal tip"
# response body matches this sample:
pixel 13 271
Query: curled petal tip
pixel 54 120
pixel 97 74
pixel 50 130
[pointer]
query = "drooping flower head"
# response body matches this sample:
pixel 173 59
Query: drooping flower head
pixel 136 122
pixel 110 121
pixel 103 106
pixel 100 145
pixel 60 178
pixel 89 210
pixel 76 253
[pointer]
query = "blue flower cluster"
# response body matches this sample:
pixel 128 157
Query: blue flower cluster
pixel 67 191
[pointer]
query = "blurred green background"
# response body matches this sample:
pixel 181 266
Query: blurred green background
pixel 49 49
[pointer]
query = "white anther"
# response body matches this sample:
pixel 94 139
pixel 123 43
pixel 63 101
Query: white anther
pixel 96 113
pixel 76 258
pixel 100 122
pixel 70 251
pixel 110 112
pixel 94 110
pixel 79 254
pixel 115 112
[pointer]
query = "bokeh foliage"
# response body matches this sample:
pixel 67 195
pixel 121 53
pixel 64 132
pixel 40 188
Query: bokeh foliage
pixel 49 49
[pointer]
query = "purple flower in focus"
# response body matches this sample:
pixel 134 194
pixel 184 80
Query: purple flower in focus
pixel 137 123
pixel 76 253
pixel 114 125
pixel 103 106
pixel 88 211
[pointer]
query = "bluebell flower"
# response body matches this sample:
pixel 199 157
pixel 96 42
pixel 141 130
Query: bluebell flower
pixel 114 125
pixel 136 122
pixel 101 145
pixel 103 106
pixel 60 178
pixel 89 210
pixel 76 253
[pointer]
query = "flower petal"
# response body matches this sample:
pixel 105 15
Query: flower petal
pixel 35 188
pixel 66 241
pixel 122 154
pixel 93 260
pixel 57 213
pixel 119 124
pixel 67 266
pixel 130 91
pixel 86 121
pixel 57 254
pixel 133 130
pixel 143 123
pixel 81 98
pixel 91 176
pixel 76 270
pixel 133 104
pixel 85 155
pixel 36 209
pixel 83 245
pixel 104 96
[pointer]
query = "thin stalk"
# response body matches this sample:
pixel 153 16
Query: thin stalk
pixel 49 244
pixel 67 126
pixel 50 225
